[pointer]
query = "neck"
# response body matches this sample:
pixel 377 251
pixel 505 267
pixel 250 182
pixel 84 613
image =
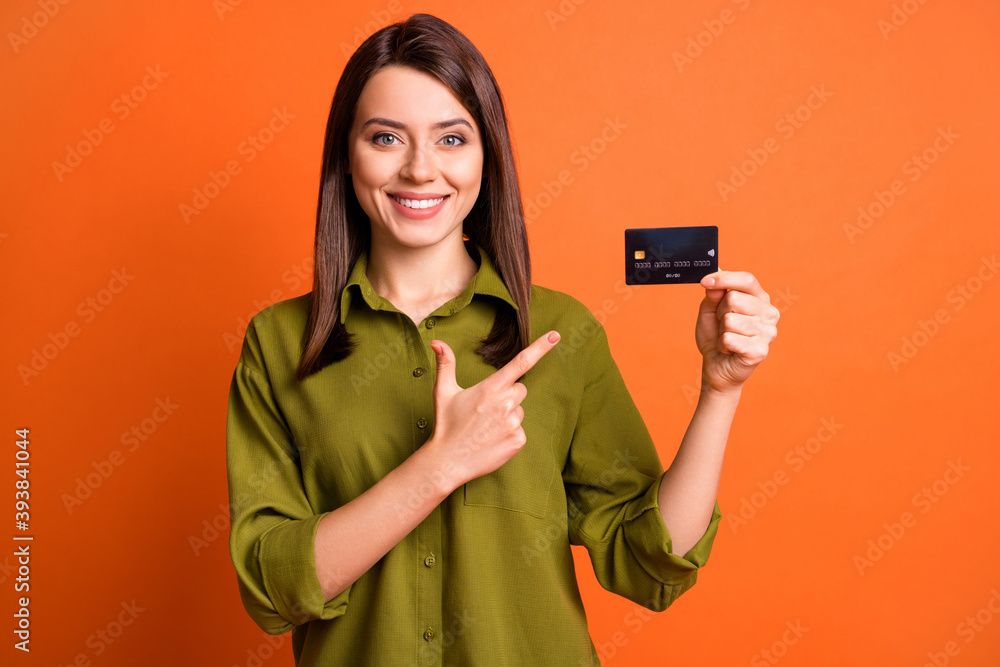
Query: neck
pixel 419 278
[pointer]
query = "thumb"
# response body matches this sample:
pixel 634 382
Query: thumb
pixel 445 380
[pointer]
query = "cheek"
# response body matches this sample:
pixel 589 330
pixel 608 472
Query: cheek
pixel 367 173
pixel 472 171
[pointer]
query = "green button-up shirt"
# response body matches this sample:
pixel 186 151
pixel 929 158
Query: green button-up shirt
pixel 487 578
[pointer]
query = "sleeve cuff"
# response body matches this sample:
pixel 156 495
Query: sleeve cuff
pixel 650 541
pixel 288 564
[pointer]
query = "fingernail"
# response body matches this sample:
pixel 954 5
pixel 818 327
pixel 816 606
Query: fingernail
pixel 553 337
pixel 708 282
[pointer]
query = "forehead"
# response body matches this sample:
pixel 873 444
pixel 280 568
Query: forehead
pixel 403 93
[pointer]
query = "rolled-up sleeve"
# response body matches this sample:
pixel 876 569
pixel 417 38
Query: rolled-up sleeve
pixel 273 525
pixel 612 477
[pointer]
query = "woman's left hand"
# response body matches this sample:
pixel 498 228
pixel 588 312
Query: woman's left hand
pixel 736 324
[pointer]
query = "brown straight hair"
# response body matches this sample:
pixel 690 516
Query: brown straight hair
pixel 496 221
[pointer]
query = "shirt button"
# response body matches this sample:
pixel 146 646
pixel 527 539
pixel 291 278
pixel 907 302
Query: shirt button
pixel 430 323
pixel 430 560
pixel 428 634
pixel 418 372
pixel 422 422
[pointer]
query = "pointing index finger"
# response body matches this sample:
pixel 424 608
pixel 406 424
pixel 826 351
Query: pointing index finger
pixel 526 358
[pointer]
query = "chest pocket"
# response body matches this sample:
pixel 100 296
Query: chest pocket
pixel 526 482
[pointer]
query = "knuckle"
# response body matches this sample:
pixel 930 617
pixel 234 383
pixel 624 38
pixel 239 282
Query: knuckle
pixel 521 364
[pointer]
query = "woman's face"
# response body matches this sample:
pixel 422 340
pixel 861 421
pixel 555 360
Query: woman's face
pixel 416 159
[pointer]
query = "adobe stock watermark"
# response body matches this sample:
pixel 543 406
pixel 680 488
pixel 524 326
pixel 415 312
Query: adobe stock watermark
pixel 7 569
pixel 923 500
pixel 778 649
pixel 698 42
pixel 395 350
pixel 223 7
pixel 103 637
pixel 581 158
pixel 248 149
pixel 958 297
pixel 218 525
pixel 59 340
pixel 967 629
pixel 121 108
pixel 562 12
pixel 385 360
pixel 555 532
pixel 450 632
pixel 211 530
pixel 132 440
pixel 380 19
pixel 32 23
pixel 900 16
pixel 915 167
pixel 796 458
pixel 572 340
pixel 294 278
pixel 786 126
pixel 635 620
pixel 266 650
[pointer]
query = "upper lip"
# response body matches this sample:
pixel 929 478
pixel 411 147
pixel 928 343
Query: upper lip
pixel 417 195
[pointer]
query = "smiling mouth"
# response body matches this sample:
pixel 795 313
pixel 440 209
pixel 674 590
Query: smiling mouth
pixel 419 203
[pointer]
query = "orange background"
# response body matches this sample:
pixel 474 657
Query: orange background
pixel 672 131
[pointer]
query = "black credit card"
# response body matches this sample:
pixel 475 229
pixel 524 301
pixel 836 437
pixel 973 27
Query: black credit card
pixel 670 255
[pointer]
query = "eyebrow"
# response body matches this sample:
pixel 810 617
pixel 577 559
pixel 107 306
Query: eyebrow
pixel 401 126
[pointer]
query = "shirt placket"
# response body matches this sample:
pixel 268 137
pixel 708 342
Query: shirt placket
pixel 427 535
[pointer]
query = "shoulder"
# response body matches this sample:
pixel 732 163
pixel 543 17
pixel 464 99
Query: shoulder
pixel 552 308
pixel 283 315
pixel 274 335
pixel 579 329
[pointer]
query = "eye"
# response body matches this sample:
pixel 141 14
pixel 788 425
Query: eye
pixel 384 139
pixel 453 140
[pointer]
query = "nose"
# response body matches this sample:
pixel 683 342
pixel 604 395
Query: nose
pixel 419 166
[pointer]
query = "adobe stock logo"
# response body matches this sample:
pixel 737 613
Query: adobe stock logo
pixel 380 18
pixel 122 107
pixel 924 500
pixel 899 17
pixel 31 25
pixel 959 297
pixel 786 126
pixel 42 356
pixel 915 167
pixel 698 42
pixel 249 148
pixel 581 158
pixel 797 458
pixel 968 629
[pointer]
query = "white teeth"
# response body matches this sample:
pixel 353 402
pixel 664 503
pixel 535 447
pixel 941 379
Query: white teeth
pixel 418 203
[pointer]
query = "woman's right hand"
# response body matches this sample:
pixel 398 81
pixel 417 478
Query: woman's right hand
pixel 478 429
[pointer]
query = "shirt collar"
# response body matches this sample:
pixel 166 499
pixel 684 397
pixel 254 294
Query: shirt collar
pixel 486 282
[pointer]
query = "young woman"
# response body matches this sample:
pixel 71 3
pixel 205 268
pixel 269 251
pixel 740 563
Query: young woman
pixel 411 449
